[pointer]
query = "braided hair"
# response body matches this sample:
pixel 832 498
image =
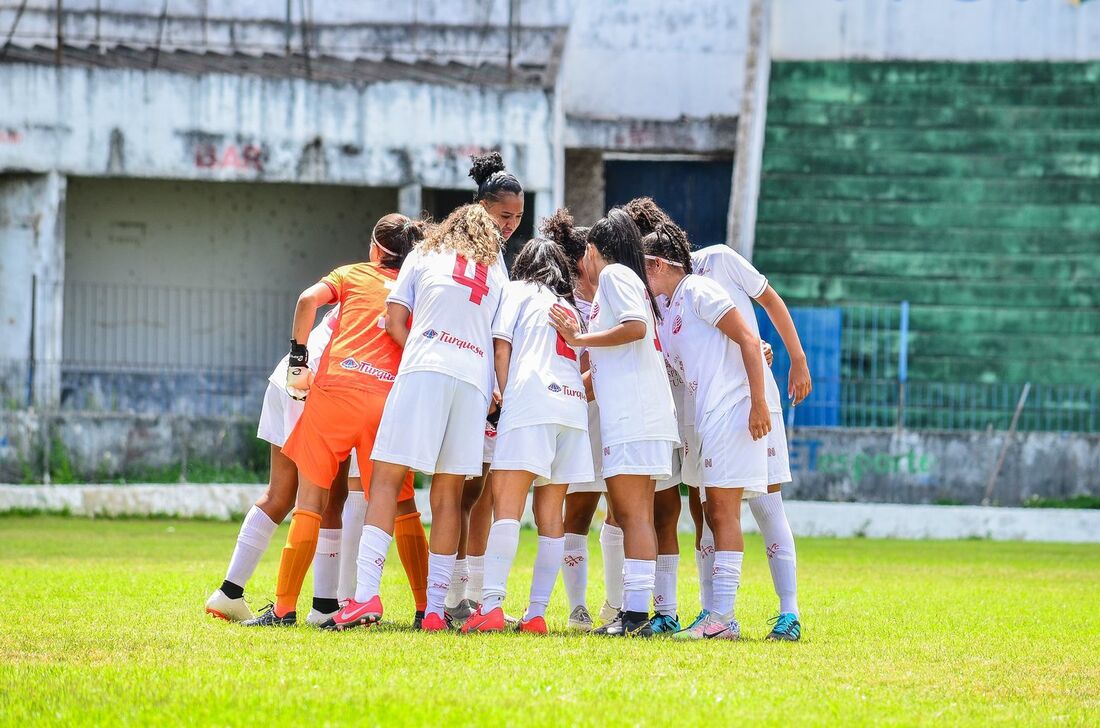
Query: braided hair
pixel 669 241
pixel 618 240
pixel 544 263
pixel 492 178
pixel 396 236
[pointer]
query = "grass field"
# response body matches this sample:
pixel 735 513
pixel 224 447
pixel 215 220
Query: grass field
pixel 101 623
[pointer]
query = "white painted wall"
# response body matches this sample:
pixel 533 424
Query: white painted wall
pixel 954 30
pixel 654 59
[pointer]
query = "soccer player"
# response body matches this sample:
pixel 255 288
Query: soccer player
pixel 434 418
pixel 344 403
pixel 543 431
pixel 582 499
pixel 706 339
pixel 278 416
pixel 637 417
pixel 501 194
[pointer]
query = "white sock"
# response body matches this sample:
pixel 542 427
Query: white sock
pixel 547 564
pixel 574 568
pixel 326 564
pixel 476 567
pixel 664 585
pixel 779 543
pixel 611 544
pixel 727 577
pixel 705 559
pixel 500 552
pixel 459 579
pixel 355 510
pixel 440 572
pixel 638 578
pixel 252 542
pixel 373 547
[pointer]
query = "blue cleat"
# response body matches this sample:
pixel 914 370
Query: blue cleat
pixel 697 621
pixel 665 623
pixel 785 627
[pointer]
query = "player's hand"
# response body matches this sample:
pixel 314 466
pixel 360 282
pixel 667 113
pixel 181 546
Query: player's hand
pixel 565 323
pixel 799 384
pixel 769 355
pixel 298 376
pixel 760 419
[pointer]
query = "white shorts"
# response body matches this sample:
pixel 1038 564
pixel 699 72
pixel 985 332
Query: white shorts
pixel 353 468
pixel 554 453
pixel 490 443
pixel 691 470
pixel 278 415
pixel 674 480
pixel 596 485
pixel 779 462
pixel 433 423
pixel 730 457
pixel 639 457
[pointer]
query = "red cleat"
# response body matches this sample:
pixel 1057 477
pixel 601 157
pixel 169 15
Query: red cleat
pixel 356 614
pixel 434 623
pixel 491 622
pixel 535 625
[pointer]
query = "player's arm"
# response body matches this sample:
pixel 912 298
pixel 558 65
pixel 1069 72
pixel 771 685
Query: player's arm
pixel 298 376
pixel 502 356
pixel 586 377
pixel 799 384
pixel 397 323
pixel 732 325
pixel 570 330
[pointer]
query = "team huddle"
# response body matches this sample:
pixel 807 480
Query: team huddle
pixel 608 361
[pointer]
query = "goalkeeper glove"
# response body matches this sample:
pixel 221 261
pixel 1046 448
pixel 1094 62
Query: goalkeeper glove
pixel 299 378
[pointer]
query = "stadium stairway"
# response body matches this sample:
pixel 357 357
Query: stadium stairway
pixel 970 190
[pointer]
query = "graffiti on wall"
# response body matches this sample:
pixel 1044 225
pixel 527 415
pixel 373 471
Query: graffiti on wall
pixel 814 456
pixel 209 155
pixel 10 136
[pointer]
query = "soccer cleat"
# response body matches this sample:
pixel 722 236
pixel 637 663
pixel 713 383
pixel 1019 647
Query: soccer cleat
pixel 643 628
pixel 316 619
pixel 608 613
pixel 510 621
pixel 231 610
pixel 418 619
pixel 461 611
pixel 730 630
pixel 269 619
pixel 580 619
pixel 701 628
pixel 785 627
pixel 356 614
pixel 665 623
pixel 432 622
pixel 535 625
pixel 492 621
pixel 613 628
pixel 695 622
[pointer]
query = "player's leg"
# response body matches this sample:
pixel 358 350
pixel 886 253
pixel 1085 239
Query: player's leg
pixel 481 518
pixel 631 496
pixel 412 548
pixel 510 495
pixel 666 518
pixel 580 507
pixel 724 513
pixel 455 606
pixel 351 525
pixel 326 560
pixel 704 553
pixel 611 550
pixel 548 503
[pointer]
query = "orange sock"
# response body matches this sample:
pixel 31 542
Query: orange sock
pixel 412 547
pixel 301 543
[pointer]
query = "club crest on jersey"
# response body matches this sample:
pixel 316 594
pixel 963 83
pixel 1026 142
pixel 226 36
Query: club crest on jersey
pixel 676 324
pixel 595 311
pixel 431 334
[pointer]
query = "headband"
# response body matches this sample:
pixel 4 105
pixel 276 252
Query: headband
pixel 381 247
pixel 666 261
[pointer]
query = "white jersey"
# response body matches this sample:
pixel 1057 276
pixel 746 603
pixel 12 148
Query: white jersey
pixel 453 302
pixel 544 378
pixel 742 283
pixel 709 361
pixel 630 382
pixel 316 344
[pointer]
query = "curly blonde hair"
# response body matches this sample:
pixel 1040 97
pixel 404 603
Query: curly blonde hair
pixel 470 232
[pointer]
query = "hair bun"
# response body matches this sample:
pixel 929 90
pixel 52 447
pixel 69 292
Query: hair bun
pixel 484 166
pixel 558 226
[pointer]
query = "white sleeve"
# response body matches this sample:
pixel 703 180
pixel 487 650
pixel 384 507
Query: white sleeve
pixel 752 281
pixel 511 302
pixel 404 290
pixel 625 294
pixel 709 301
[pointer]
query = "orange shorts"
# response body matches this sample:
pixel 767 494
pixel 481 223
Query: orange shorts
pixel 333 422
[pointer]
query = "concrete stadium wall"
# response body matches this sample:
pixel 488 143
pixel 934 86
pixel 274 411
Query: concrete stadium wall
pixel 946 30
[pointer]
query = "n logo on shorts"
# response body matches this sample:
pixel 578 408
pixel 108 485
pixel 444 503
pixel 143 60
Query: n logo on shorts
pixel 707 463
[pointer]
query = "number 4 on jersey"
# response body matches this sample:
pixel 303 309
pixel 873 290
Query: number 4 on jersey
pixel 478 285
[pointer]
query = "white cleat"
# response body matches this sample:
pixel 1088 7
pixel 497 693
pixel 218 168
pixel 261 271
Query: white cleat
pixel 231 610
pixel 608 613
pixel 580 620
pixel 316 619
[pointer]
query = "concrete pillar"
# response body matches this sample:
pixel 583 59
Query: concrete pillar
pixel 32 278
pixel 584 185
pixel 741 228
pixel 410 200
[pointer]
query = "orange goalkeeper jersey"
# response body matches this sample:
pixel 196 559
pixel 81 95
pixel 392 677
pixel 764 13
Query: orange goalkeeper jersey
pixel 361 355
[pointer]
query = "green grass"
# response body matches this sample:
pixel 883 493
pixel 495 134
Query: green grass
pixel 101 623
